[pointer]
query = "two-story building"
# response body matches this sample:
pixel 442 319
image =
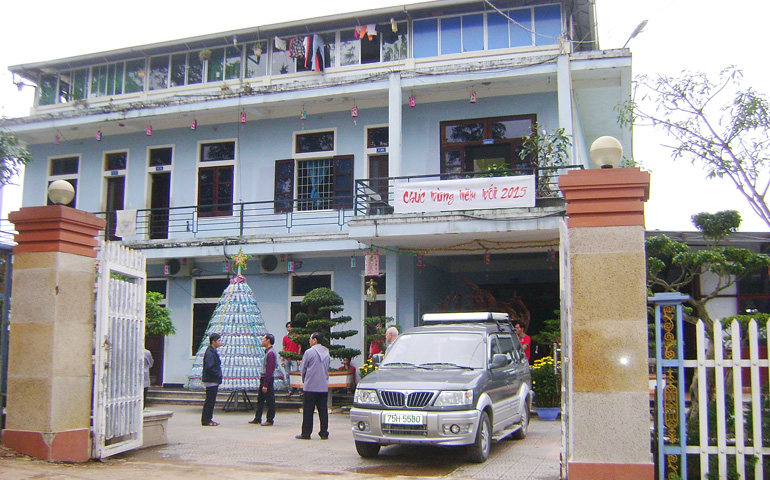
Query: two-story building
pixel 329 147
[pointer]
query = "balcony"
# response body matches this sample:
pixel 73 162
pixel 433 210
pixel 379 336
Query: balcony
pixel 373 198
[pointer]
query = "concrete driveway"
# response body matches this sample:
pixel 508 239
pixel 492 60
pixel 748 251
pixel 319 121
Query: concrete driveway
pixel 235 449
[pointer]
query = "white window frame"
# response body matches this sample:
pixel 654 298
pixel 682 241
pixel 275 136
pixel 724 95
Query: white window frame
pixel 107 174
pixel 165 168
pixel 68 176
pixel 217 163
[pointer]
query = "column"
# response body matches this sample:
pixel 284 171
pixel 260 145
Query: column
pixel 48 412
pixel 604 309
pixel 394 124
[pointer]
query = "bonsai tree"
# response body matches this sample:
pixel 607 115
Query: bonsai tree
pixel 321 303
pixel 157 318
pixel 377 327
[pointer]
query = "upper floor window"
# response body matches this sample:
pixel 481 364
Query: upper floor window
pixel 466 33
pixel 216 176
pixel 116 161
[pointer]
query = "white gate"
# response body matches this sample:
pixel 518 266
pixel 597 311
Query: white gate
pixel 118 351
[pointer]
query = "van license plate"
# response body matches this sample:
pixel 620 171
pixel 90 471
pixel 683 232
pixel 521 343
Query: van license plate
pixel 403 418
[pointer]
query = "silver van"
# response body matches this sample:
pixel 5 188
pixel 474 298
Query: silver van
pixel 461 379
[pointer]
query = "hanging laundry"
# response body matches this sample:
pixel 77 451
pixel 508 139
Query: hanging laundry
pixel 308 45
pixel 280 43
pixel 371 31
pixel 360 31
pixel 318 54
pixel 297 48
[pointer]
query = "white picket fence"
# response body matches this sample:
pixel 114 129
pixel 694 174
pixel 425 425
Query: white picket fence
pixel 745 440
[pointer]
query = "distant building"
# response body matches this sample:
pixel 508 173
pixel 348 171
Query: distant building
pixel 308 144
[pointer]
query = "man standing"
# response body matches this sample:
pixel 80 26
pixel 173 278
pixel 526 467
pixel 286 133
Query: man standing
pixel 315 377
pixel 266 392
pixel 526 342
pixel 287 364
pixel 211 378
pixel 391 334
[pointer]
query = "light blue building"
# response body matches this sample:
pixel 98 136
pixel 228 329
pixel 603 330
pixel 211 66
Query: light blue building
pixel 303 144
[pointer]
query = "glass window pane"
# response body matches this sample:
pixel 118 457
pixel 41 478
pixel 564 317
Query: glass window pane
pixel 115 161
pixel 520 37
pixel 64 166
pixel 210 288
pixel 119 78
pixel 79 84
pixel 65 87
pixel 47 89
pixel 211 152
pixel 497 31
pixel 177 69
pixel 450 35
pixel 547 24
pixel 378 137
pixel 370 49
pixel 301 285
pixel 135 76
pixel 158 73
pixel 160 157
pixel 511 128
pixel 216 65
pixel 232 63
pixel 425 38
pixel 330 55
pixel 349 48
pixel 256 60
pixel 473 32
pixel 466 132
pixel 98 81
pixel 194 68
pixel 281 63
pixel 315 142
pixel 395 46
pixel 158 286
pixel 111 79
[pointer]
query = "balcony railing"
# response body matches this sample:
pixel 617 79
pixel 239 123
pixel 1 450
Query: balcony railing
pixel 373 196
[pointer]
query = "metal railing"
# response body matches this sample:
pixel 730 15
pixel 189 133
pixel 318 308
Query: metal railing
pixel 372 196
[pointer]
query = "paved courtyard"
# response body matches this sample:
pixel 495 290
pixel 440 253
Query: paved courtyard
pixel 236 449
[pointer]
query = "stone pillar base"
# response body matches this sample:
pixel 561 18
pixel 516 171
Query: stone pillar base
pixel 610 471
pixel 69 446
pixel 155 427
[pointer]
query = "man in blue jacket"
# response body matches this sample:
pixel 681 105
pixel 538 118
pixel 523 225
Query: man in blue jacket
pixel 266 392
pixel 315 379
pixel 211 378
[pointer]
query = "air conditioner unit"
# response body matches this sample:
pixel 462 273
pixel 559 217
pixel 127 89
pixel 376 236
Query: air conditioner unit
pixel 178 267
pixel 273 264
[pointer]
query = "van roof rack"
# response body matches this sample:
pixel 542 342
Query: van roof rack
pixel 469 317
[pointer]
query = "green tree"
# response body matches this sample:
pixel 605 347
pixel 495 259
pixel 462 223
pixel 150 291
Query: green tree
pixel 320 304
pixel 715 124
pixel 157 318
pixel 672 265
pixel 12 157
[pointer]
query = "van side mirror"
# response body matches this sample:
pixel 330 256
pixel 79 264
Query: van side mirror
pixel 377 358
pixel 499 360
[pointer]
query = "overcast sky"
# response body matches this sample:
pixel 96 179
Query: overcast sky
pixel 697 35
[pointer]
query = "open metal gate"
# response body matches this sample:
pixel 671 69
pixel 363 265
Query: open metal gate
pixel 118 351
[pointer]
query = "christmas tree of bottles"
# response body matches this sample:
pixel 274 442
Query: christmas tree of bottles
pixel 238 320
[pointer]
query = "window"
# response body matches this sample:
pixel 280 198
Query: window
pixel 478 144
pixel 65 168
pixel 216 179
pixel 301 285
pixel 107 79
pixel 64 87
pixel 159 68
pixel 224 64
pixel 256 60
pixel 208 291
pixel 115 161
pixel 323 180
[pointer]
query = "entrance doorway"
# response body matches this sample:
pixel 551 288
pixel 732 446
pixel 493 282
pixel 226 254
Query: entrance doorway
pixel 116 188
pixel 160 191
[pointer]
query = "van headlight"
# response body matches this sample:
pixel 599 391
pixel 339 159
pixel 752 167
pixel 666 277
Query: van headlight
pixel 368 397
pixel 448 398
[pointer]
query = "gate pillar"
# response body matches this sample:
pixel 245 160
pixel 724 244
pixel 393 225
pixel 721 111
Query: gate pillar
pixel 51 333
pixel 606 424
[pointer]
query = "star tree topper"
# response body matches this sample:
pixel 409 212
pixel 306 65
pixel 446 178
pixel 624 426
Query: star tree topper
pixel 239 261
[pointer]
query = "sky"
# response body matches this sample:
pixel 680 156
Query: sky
pixel 692 35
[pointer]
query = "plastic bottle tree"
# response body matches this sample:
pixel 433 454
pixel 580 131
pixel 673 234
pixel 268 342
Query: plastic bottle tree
pixel 321 303
pixel 238 320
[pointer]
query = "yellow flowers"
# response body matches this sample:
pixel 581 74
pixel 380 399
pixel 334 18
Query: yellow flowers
pixel 367 368
pixel 546 382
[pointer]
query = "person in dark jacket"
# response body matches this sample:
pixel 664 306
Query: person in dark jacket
pixel 211 378
pixel 266 392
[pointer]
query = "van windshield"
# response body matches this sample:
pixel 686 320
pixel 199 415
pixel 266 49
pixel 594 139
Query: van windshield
pixel 436 349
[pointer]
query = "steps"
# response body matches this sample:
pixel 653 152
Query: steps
pixel 158 396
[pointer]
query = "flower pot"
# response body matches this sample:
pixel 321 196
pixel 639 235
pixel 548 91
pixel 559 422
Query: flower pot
pixel 548 414
pixel 340 379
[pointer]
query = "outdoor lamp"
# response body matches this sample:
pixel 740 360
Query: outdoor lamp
pixel 61 192
pixel 606 152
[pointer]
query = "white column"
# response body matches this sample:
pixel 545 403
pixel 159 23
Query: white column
pixel 391 286
pixel 394 124
pixel 564 94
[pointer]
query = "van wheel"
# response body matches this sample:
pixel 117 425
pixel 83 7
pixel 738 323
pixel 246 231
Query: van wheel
pixel 479 451
pixel 521 433
pixel 367 449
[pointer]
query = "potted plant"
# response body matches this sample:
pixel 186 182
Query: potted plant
pixel 547 151
pixel 320 304
pixel 546 383
pixel 284 69
pixel 204 54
